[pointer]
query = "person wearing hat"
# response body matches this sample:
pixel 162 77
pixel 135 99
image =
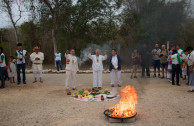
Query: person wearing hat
pixel 97 66
pixel 37 60
pixel 71 69
pixel 21 54
pixel 2 68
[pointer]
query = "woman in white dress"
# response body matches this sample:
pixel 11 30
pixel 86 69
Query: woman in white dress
pixel 11 69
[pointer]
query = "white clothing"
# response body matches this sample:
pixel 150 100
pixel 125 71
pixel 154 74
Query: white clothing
pixel 71 63
pixel 174 59
pixel 37 64
pixel 20 54
pixel 12 73
pixel 72 75
pixel 97 64
pixel 3 59
pixel 112 76
pixel 191 59
pixel 58 56
pixel 36 73
pixel 191 88
pixel 97 75
pixel 114 61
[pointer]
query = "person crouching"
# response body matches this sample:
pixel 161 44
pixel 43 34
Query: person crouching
pixel 71 69
pixel 37 60
pixel 176 66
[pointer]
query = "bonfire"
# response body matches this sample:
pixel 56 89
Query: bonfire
pixel 126 107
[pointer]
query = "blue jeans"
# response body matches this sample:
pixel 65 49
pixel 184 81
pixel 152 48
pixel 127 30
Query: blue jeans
pixel 23 66
pixel 58 63
pixel 2 75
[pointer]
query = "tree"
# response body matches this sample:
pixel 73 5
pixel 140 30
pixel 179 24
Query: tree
pixel 7 7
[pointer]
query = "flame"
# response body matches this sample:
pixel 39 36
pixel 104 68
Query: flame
pixel 126 106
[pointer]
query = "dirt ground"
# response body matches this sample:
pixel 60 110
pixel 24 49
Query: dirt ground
pixel 159 103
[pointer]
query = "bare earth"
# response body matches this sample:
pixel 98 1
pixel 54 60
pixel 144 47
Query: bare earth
pixel 159 103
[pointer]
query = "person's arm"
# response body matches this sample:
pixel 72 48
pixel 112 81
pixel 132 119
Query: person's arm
pixel 105 56
pixel 89 54
pixel 179 60
pixel 42 57
pixel 61 56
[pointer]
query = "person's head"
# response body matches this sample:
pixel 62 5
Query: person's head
pixel 57 51
pixel 163 47
pixel 172 47
pixel 144 46
pixel 177 46
pixel 135 51
pixel 174 51
pixel 36 49
pixel 11 58
pixel 1 50
pixel 19 45
pixel 72 52
pixel 97 52
pixel 114 52
pixel 189 49
pixel 156 46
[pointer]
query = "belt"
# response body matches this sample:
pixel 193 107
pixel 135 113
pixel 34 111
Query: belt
pixel 37 63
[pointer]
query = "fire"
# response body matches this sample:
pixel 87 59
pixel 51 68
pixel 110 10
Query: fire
pixel 126 106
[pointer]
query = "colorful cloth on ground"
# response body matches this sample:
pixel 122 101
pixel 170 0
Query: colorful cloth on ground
pixel 97 98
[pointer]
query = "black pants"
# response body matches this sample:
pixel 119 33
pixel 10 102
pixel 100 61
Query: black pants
pixel 144 66
pixel 175 71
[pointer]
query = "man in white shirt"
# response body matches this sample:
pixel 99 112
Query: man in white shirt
pixel 97 67
pixel 71 69
pixel 58 57
pixel 37 60
pixel 191 68
pixel 21 54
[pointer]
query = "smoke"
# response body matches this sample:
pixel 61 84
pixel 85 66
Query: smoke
pixel 84 53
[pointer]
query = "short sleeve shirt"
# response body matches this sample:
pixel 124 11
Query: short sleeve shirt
pixel 20 54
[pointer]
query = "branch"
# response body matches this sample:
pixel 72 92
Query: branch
pixel 19 8
pixel 48 5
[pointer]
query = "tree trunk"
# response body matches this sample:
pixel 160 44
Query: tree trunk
pixel 54 42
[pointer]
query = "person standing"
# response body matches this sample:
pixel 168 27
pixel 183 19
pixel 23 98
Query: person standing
pixel 97 66
pixel 71 69
pixel 21 54
pixel 11 69
pixel 169 70
pixel 58 57
pixel 37 59
pixel 115 68
pixel 135 61
pixel 163 60
pixel 2 68
pixel 176 65
pixel 145 55
pixel 156 59
pixel 191 68
pixel 181 53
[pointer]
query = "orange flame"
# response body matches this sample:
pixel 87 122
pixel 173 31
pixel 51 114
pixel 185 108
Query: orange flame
pixel 126 106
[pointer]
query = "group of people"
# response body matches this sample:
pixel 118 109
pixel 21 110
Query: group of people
pixel 18 62
pixel 173 62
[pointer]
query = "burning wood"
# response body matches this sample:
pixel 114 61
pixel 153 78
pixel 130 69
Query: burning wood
pixel 126 106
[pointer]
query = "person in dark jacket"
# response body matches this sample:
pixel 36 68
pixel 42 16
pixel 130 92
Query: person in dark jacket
pixel 115 68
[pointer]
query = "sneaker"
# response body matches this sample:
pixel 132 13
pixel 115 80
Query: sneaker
pixel 173 84
pixel 24 82
pixel 178 84
pixel 135 76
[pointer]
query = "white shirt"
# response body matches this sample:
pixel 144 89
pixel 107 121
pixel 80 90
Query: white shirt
pixel 97 61
pixel 35 55
pixel 191 59
pixel 3 59
pixel 72 65
pixel 174 59
pixel 20 54
pixel 58 56
pixel 114 61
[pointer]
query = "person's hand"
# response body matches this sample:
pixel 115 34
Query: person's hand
pixel 89 50
pixel 23 56
pixel 105 52
pixel 37 58
pixel 67 52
